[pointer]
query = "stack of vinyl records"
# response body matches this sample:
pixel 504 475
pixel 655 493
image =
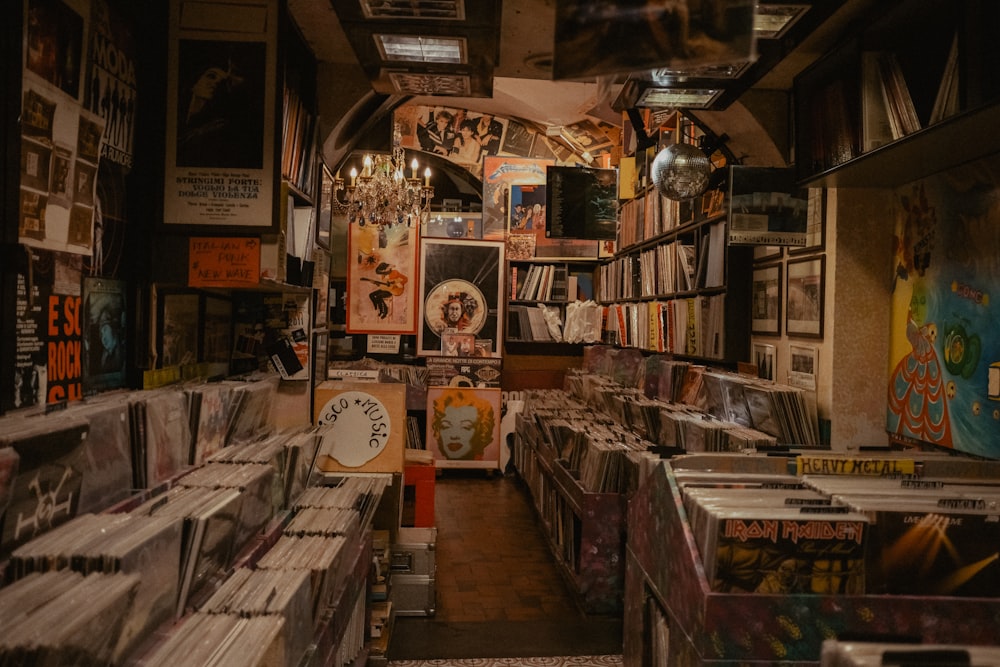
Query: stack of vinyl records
pixel 362 494
pixel 261 493
pixel 250 409
pixel 929 537
pixel 323 557
pixel 209 407
pixel 161 436
pixel 284 593
pixel 107 463
pixel 65 618
pixel 211 519
pixel 777 541
pixel 110 543
pixel 223 640
pixel 664 378
pixel 45 461
pixel 324 522
pixel 783 412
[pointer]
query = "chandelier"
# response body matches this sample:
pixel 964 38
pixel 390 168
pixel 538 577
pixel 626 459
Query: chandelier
pixel 382 194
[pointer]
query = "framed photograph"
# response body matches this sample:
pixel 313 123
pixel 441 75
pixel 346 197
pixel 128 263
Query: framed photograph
pixel 763 359
pixel 802 367
pixel 324 221
pixel 221 118
pixel 815 223
pixel 463 426
pixel 461 290
pixel 766 301
pixel 381 280
pixel 804 300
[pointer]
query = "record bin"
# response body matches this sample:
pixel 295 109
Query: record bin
pixel 671 614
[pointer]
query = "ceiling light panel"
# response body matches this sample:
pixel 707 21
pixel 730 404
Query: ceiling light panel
pixel 678 98
pixel 437 10
pixel 414 48
pixel 412 83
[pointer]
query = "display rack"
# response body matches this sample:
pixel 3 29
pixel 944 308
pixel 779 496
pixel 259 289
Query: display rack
pixel 552 283
pixel 666 586
pixel 585 531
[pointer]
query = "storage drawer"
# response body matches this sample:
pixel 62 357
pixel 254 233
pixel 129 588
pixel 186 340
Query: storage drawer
pixel 413 595
pixel 414 553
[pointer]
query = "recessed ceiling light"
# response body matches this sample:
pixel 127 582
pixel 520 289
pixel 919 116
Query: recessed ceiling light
pixel 414 48
pixel 772 21
pixel 414 9
pixel 678 98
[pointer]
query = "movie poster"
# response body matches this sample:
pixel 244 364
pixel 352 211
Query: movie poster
pixel 221 117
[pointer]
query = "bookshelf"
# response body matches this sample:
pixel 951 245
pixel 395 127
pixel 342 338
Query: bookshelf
pixel 552 283
pixel 908 93
pixel 676 285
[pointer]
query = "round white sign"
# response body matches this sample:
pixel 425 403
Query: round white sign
pixel 359 428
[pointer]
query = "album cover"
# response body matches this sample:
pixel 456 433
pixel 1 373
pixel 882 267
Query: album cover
pixel 46 491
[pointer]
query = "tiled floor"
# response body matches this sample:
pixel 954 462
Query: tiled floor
pixel 496 579
pixel 491 559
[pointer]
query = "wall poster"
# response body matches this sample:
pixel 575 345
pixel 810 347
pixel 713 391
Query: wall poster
pixel 461 287
pixel 381 278
pixel 61 140
pixel 222 78
pixel 944 348
pixel 463 426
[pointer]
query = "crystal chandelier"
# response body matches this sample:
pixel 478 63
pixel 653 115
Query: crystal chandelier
pixel 382 194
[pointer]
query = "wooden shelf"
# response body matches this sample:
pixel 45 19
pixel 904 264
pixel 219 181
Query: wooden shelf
pixel 907 54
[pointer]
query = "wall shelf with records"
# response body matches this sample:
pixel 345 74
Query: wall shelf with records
pixel 684 291
pixel 676 615
pixel 914 91
pixel 553 283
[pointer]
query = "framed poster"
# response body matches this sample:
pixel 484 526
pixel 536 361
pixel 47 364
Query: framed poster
pixel 804 297
pixel 461 290
pixel 463 426
pixel 104 334
pixel 815 240
pixel 363 426
pixel 381 285
pixel 221 116
pixel 179 327
pixel 763 359
pixel 766 300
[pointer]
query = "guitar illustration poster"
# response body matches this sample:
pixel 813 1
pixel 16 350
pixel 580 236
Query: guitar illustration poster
pixel 381 293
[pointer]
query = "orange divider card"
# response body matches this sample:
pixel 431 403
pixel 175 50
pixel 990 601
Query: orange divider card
pixel 223 262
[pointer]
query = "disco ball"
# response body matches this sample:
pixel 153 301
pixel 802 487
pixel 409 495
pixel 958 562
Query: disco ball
pixel 681 171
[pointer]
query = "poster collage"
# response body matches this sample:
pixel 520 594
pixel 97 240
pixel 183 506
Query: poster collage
pixel 446 285
pixel 77 139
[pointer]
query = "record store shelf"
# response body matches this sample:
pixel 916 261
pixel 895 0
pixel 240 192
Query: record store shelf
pixel 665 577
pixel 584 530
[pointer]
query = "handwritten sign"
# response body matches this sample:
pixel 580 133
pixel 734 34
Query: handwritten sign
pixel 223 262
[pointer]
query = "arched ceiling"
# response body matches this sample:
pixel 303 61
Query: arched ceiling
pixel 352 99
